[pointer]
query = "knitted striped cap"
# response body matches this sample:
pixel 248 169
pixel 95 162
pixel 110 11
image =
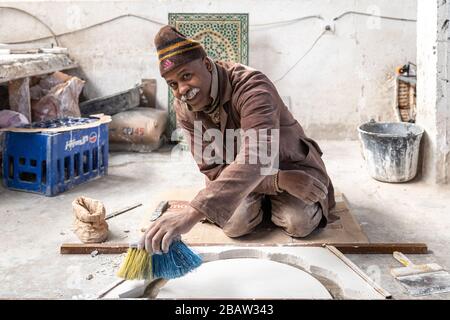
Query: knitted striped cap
pixel 175 49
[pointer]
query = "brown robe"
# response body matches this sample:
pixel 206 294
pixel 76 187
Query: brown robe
pixel 249 100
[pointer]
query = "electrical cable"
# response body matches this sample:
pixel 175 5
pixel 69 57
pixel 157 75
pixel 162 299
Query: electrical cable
pixel 372 15
pixel 37 19
pixel 90 27
pixel 277 23
pixel 285 22
pixel 336 19
pixel 302 57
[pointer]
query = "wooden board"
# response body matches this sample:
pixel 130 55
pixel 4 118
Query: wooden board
pixel 17 66
pixel 343 232
pixel 112 104
pixel 349 248
pixel 342 228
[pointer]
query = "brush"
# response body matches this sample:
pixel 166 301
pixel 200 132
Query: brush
pixel 179 260
pixel 139 264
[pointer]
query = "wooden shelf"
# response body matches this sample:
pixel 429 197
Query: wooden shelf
pixel 17 66
pixel 16 70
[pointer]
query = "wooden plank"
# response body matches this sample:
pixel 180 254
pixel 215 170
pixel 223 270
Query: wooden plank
pixel 348 248
pixel 112 104
pixel 17 66
pixel 359 272
pixel 381 248
pixel 149 92
pixel 87 248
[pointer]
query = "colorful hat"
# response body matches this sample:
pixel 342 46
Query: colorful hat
pixel 175 49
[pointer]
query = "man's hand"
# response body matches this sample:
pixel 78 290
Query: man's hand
pixel 166 228
pixel 302 185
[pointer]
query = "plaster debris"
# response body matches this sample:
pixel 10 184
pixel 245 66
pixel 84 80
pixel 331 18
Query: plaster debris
pixel 94 253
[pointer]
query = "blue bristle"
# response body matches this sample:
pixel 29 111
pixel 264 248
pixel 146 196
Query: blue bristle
pixel 175 263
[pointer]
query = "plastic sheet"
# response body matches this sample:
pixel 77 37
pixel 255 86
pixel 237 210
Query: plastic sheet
pixel 19 96
pixel 9 118
pixel 56 97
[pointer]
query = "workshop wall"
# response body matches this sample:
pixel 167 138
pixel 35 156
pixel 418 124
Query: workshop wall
pixel 433 108
pixel 346 79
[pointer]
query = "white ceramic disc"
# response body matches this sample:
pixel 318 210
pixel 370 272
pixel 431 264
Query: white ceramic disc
pixel 245 278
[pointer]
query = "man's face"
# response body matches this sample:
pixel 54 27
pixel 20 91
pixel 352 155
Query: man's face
pixel 191 83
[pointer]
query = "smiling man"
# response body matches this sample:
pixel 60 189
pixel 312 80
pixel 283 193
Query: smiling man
pixel 214 98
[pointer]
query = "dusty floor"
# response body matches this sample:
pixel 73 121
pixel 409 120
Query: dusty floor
pixel 32 227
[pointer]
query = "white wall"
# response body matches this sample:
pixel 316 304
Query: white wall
pixel 345 80
pixel 433 91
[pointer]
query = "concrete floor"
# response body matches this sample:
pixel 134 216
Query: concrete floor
pixel 32 227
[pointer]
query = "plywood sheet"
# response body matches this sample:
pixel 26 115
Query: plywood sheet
pixel 343 227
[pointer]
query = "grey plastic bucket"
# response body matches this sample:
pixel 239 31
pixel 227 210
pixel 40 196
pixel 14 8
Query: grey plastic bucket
pixel 391 150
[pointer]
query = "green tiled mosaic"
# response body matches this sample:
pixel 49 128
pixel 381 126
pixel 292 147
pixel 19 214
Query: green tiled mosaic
pixel 224 37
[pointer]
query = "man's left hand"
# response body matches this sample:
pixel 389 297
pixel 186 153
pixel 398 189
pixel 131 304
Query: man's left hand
pixel 165 229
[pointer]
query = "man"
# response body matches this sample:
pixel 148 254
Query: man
pixel 222 96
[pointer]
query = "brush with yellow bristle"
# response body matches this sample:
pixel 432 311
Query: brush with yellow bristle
pixel 139 264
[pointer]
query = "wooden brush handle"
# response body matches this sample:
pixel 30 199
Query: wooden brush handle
pixel 400 257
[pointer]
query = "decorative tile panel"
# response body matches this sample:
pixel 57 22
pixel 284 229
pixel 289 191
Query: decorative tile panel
pixel 223 35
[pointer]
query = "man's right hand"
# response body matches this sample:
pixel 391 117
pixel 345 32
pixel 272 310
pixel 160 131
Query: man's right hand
pixel 302 185
pixel 167 228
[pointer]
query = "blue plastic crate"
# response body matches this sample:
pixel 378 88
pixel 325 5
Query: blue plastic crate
pixel 50 163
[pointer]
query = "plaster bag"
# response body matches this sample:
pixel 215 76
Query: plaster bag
pixel 89 220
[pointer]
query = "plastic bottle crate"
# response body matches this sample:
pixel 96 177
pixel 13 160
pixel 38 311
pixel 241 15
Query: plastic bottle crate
pixel 50 163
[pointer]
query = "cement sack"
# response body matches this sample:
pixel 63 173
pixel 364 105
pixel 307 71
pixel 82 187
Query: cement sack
pixel 137 130
pixel 89 220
